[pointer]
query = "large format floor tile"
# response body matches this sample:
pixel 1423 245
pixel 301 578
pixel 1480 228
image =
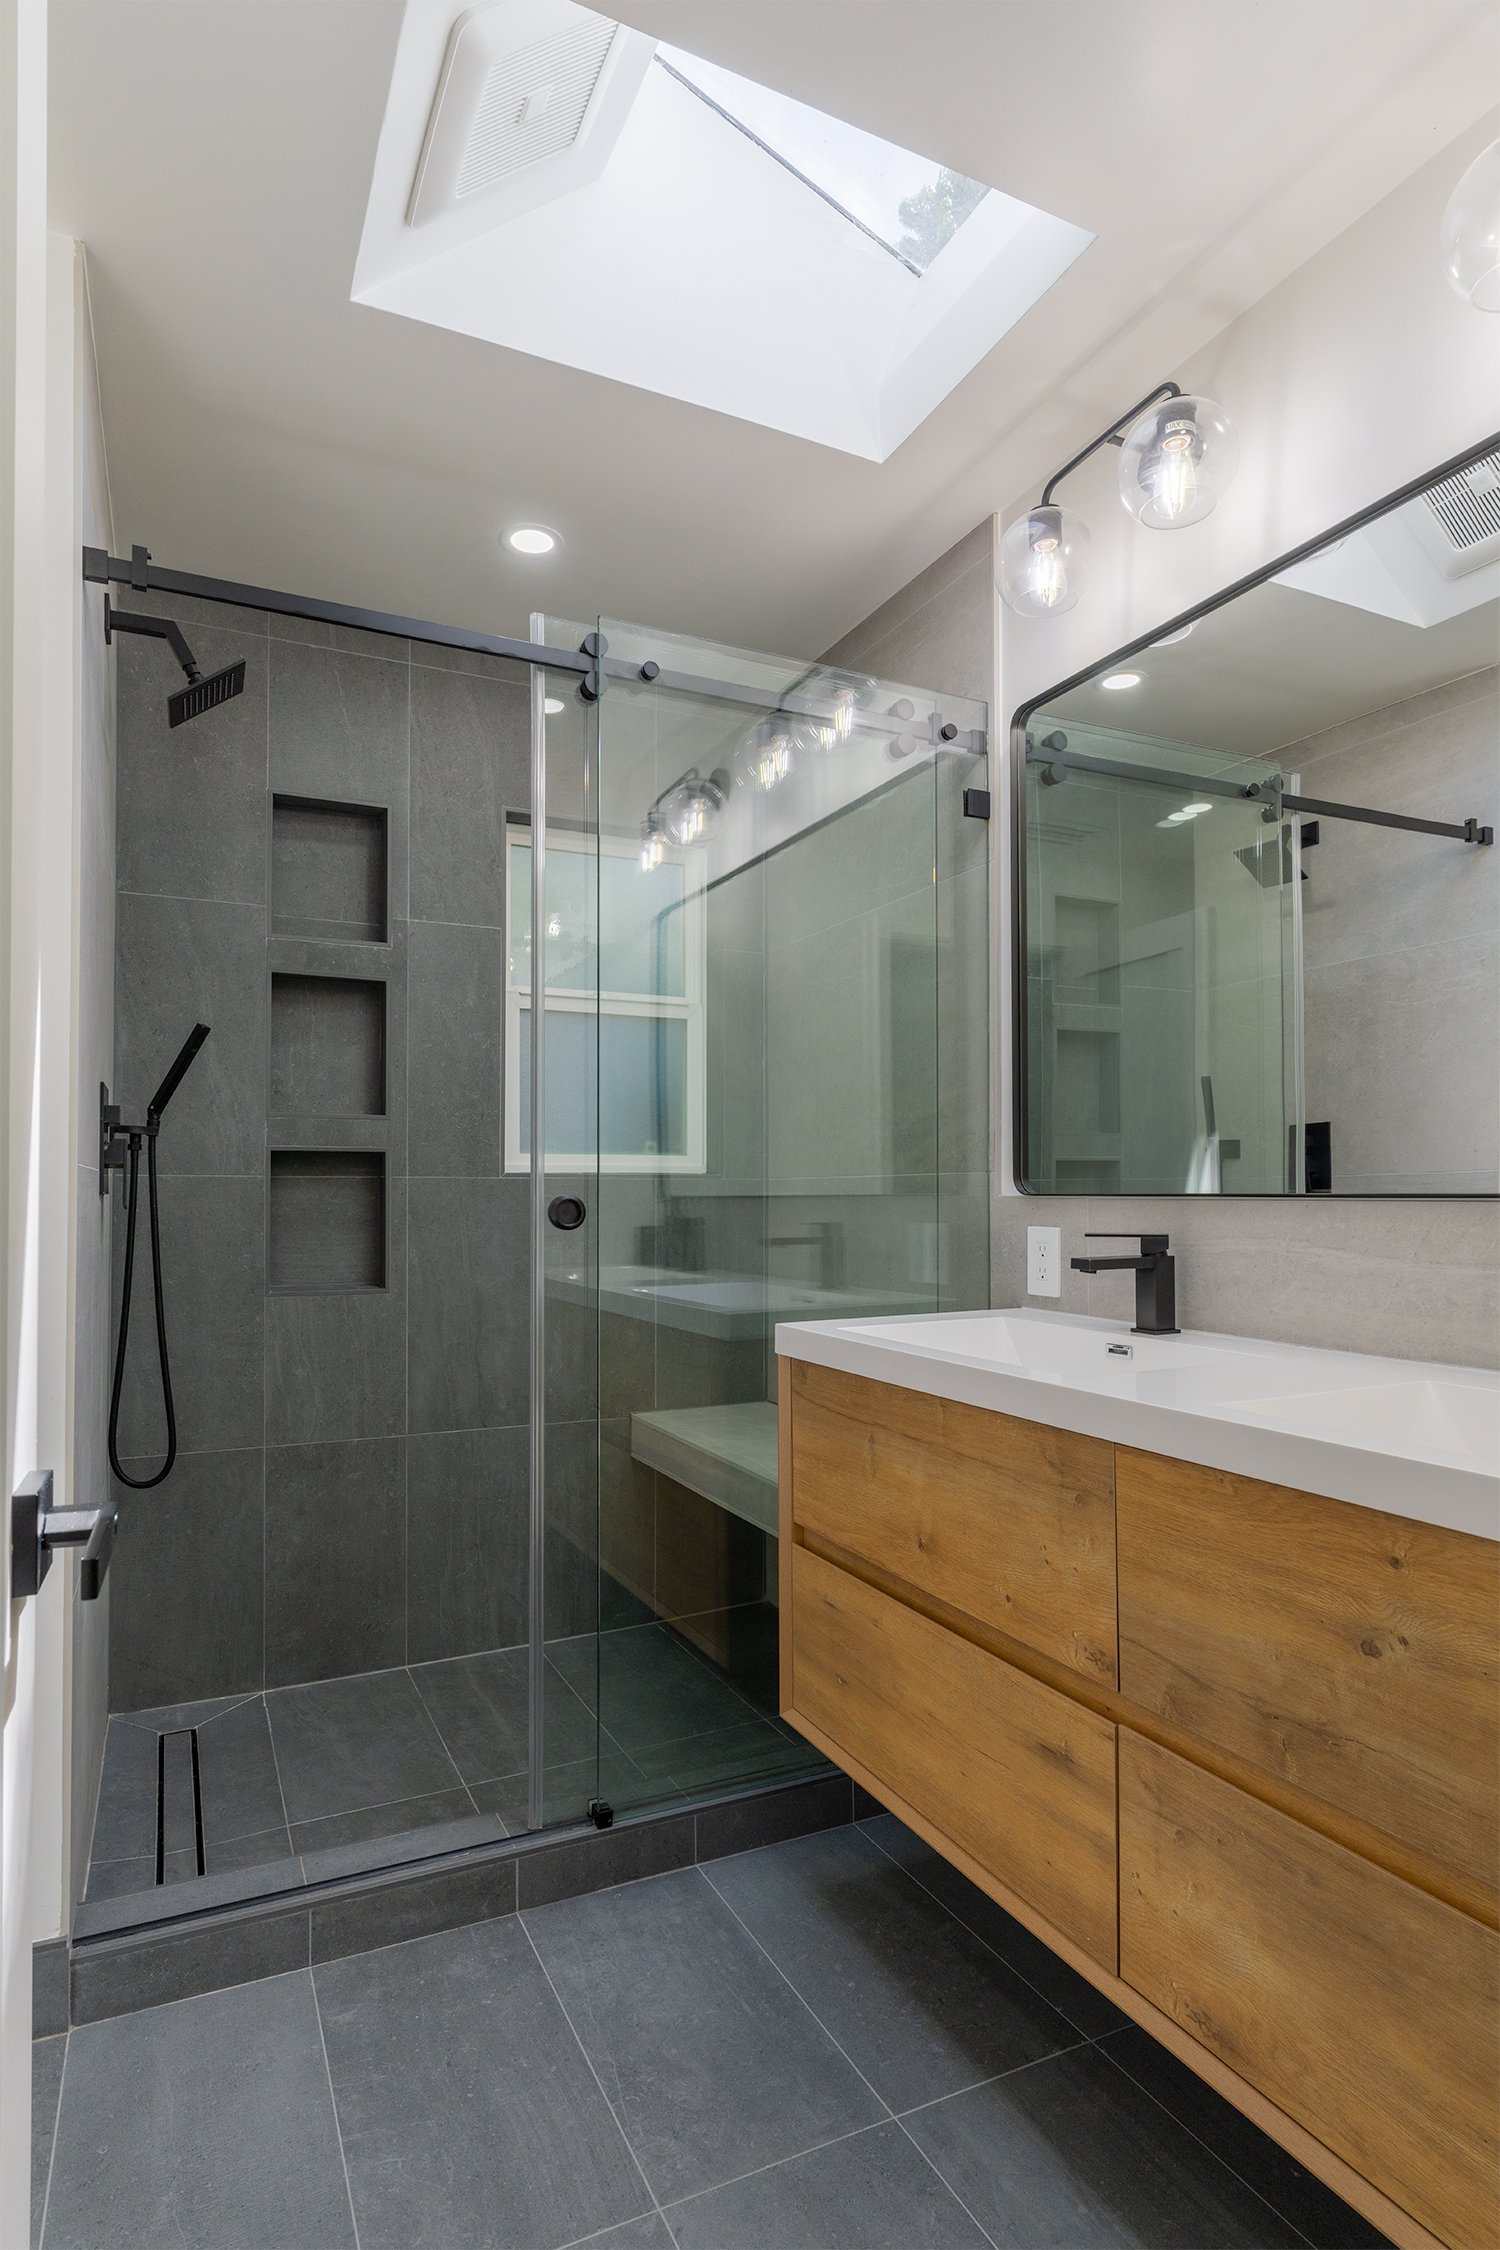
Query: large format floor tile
pixel 873 2191
pixel 206 2125
pixel 468 2113
pixel 714 2065
pixel 917 2003
pixel 345 1744
pixel 1063 2155
pixel 46 2085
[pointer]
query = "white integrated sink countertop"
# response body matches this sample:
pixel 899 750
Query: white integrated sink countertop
pixel 1405 1436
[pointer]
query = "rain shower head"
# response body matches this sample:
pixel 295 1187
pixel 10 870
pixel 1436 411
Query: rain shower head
pixel 204 691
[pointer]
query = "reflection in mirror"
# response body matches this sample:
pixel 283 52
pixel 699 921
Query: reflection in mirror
pixel 1260 905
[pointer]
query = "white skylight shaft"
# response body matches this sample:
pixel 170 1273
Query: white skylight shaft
pixel 913 204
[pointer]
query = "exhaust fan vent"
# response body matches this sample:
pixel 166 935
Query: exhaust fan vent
pixel 1460 520
pixel 534 103
pixel 531 100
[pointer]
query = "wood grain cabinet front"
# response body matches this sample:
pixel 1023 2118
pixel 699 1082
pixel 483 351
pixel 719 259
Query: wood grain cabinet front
pixel 1347 1654
pixel 1363 2007
pixel 1008 1521
pixel 1020 1778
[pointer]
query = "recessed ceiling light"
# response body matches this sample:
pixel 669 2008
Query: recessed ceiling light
pixel 1120 680
pixel 553 705
pixel 1170 640
pixel 532 539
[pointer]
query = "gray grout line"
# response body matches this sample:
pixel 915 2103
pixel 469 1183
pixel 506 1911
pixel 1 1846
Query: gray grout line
pixel 943 2179
pixel 437 1730
pixel 334 2102
pixel 777 2164
pixel 598 2081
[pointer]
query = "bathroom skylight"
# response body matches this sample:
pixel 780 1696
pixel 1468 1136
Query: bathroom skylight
pixel 912 204
pixel 558 183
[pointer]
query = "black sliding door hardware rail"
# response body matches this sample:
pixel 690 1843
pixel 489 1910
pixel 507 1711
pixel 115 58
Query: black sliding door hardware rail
pixel 591 663
pixel 1058 764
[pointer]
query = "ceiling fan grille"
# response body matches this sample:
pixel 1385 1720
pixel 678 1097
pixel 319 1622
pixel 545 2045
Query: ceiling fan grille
pixel 533 102
pixel 1467 506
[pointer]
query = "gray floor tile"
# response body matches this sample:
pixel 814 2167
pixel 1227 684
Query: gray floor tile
pixel 874 2191
pixel 344 1744
pixel 1323 2217
pixel 917 2003
pixel 268 1850
pixel 1085 2007
pixel 651 1690
pixel 462 2095
pixel 713 2064
pixel 649 2233
pixel 125 1821
pixel 237 1779
pixel 46 2085
pixel 374 1821
pixel 479 1706
pixel 169 1716
pixel 241 2151
pixel 119 1878
pixel 1058 2156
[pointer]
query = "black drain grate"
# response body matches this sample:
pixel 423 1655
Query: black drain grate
pixel 178 1775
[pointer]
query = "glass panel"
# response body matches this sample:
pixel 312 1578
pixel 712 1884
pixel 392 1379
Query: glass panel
pixel 1160 921
pixel 828 1120
pixel 643 936
pixel 913 204
pixel 633 1067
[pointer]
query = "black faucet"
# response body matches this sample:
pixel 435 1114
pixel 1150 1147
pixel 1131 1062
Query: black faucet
pixel 1155 1280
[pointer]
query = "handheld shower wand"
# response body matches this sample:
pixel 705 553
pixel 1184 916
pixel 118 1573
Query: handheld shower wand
pixel 120 1150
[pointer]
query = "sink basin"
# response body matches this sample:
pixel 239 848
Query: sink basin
pixel 997 1339
pixel 1433 1416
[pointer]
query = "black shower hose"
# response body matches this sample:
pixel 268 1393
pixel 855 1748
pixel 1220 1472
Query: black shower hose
pixel 142 1484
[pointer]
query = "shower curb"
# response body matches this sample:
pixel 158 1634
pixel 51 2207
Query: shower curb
pixel 121 1972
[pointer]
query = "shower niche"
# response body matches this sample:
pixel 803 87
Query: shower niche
pixel 329 870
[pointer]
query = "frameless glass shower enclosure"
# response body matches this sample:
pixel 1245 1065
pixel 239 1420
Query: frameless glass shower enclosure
pixel 580 1008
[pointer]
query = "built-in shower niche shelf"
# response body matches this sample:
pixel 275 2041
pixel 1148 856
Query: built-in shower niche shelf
pixel 327 1219
pixel 328 1046
pixel 329 870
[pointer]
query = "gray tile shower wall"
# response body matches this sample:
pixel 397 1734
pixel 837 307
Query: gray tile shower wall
pixel 316 871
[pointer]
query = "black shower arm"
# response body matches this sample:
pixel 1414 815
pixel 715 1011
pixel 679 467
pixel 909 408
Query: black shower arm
pixel 160 628
pixel 1114 435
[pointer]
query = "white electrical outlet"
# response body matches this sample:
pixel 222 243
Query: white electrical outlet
pixel 1044 1261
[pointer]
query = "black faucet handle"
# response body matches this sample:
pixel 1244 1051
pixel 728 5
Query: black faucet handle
pixel 1151 1244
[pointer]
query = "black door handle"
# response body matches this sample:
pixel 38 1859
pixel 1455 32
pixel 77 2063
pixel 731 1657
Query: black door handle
pixel 36 1528
pixel 567 1212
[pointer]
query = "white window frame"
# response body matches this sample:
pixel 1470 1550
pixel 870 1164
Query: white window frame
pixel 687 1007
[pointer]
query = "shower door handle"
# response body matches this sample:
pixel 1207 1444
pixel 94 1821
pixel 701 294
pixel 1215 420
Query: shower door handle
pixel 36 1527
pixel 567 1212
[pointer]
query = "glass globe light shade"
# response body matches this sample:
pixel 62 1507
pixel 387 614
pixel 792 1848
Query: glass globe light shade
pixel 1177 459
pixel 769 753
pixel 1470 232
pixel 694 812
pixel 846 694
pixel 1043 561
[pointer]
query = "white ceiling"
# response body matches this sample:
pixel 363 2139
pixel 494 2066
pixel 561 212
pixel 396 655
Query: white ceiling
pixel 216 157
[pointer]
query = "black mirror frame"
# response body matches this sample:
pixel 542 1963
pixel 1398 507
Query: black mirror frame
pixel 1111 663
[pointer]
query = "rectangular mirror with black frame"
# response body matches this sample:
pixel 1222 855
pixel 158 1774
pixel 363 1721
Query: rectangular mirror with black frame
pixel 1257 892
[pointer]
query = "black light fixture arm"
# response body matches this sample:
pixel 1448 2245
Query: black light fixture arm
pixel 1114 435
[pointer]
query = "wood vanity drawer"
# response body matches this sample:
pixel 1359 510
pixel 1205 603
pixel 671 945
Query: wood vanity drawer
pixel 1350 1654
pixel 1366 2009
pixel 1009 1521
pixel 1013 1773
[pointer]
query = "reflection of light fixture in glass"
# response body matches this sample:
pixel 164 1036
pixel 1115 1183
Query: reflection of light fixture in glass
pixel 553 705
pixel 653 845
pixel 1177 456
pixel 1042 563
pixel 1170 640
pixel 846 697
pixel 768 753
pixel 554 925
pixel 1176 459
pixel 1185 812
pixel 1470 232
pixel 1120 680
pixel 692 810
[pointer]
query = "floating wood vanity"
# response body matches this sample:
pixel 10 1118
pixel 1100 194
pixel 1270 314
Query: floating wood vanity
pixel 1231 1748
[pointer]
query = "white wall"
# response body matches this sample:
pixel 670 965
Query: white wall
pixel 1358 372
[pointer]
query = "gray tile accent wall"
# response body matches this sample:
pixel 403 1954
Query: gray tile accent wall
pixel 351 1490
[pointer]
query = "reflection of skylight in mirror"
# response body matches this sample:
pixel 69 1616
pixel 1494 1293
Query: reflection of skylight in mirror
pixel 911 203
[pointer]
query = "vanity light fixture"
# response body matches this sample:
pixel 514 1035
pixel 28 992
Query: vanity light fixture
pixel 1470 233
pixel 1120 680
pixel 1178 454
pixel 532 539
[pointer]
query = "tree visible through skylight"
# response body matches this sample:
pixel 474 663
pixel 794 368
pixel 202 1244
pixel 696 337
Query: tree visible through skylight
pixel 910 203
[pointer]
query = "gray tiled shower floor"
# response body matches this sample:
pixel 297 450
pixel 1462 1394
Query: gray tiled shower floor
pixel 296 1771
pixel 829 2044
